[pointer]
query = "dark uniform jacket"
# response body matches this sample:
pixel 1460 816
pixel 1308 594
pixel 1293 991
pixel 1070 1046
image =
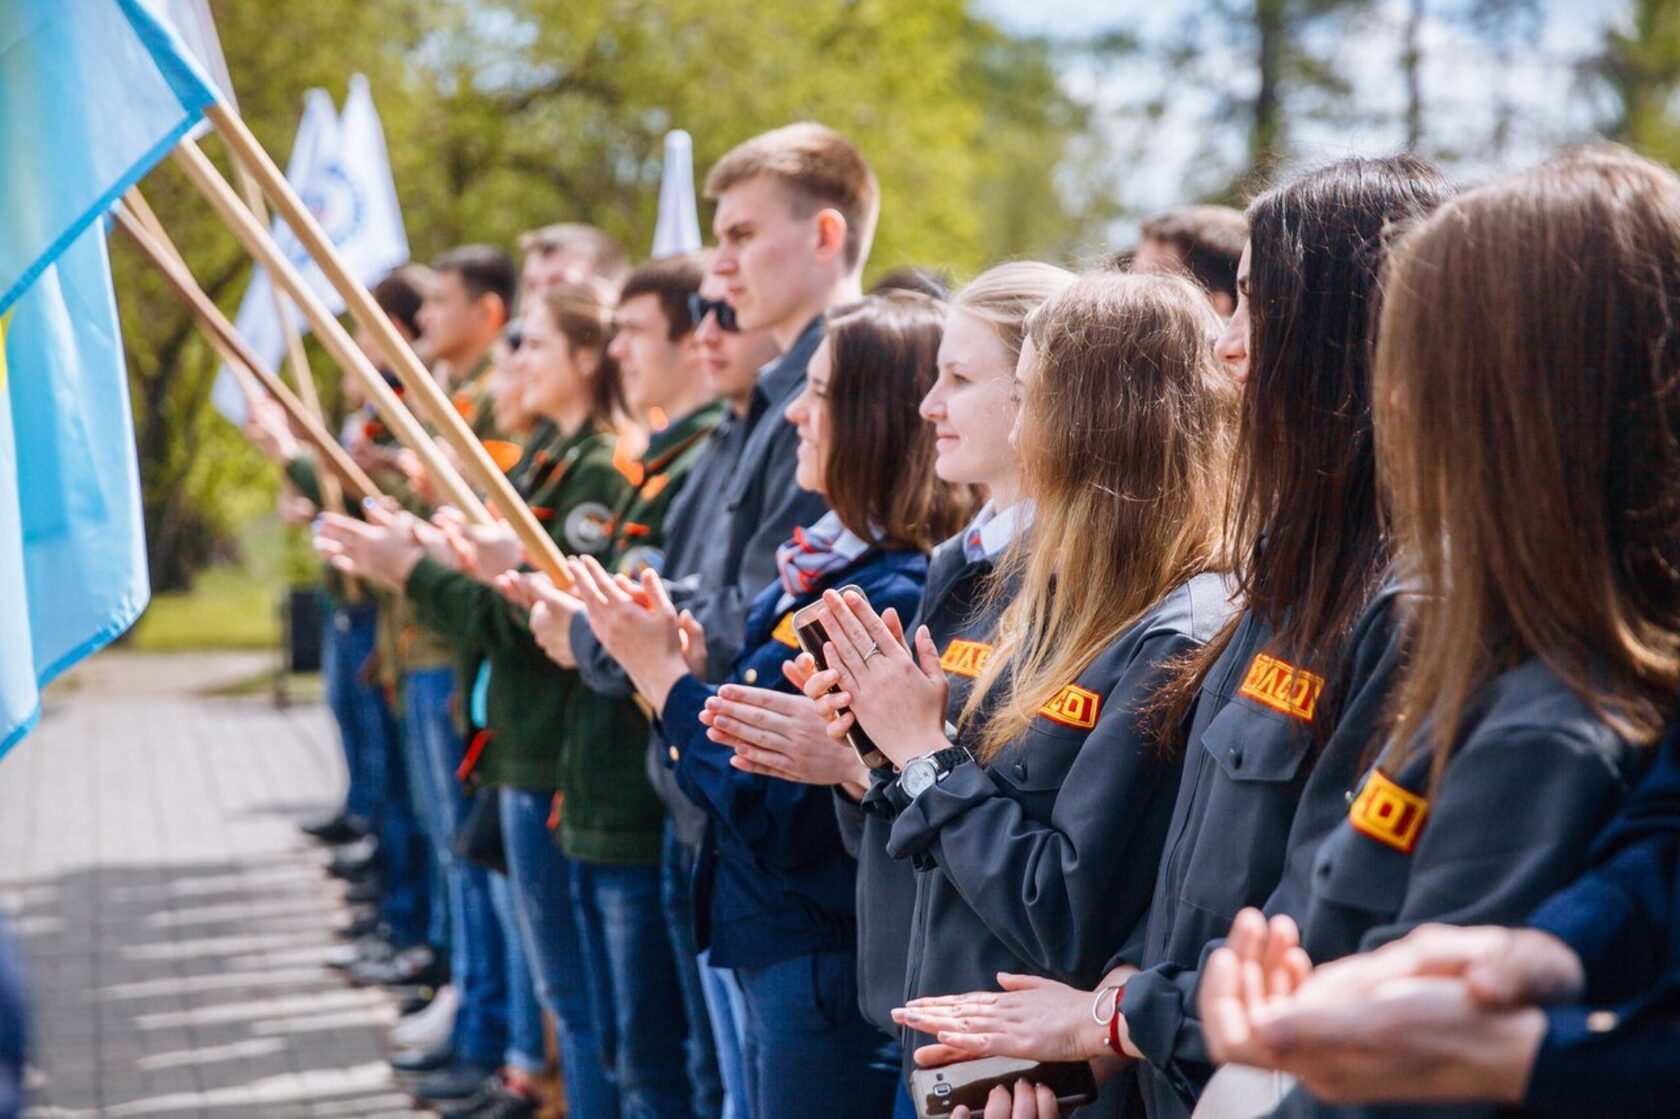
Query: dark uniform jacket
pixel 533 704
pixel 721 535
pixel 1533 777
pixel 963 625
pixel 1253 800
pixel 1616 1051
pixel 1042 861
pixel 772 880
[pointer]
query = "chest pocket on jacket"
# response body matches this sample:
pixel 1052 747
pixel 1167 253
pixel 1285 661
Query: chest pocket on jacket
pixel 1032 770
pixel 1256 746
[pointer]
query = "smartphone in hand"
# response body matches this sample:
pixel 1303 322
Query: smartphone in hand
pixel 940 1091
pixel 808 628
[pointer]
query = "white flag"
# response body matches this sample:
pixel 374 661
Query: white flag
pixel 678 228
pixel 342 172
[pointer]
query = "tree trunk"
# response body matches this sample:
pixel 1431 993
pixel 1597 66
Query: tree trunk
pixel 1266 141
pixel 1411 65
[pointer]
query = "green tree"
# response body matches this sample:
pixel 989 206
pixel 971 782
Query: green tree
pixel 502 115
pixel 1639 66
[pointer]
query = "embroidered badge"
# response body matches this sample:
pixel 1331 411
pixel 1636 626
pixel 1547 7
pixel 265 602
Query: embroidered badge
pixel 655 486
pixel 586 527
pixel 1073 706
pixel 1283 687
pixel 504 454
pixel 784 631
pixel 640 559
pixel 1388 813
pixel 966 658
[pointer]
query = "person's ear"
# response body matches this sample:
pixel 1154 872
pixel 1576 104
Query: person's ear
pixel 831 234
pixel 587 360
pixel 496 308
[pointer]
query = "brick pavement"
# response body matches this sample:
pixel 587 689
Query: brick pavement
pixel 174 918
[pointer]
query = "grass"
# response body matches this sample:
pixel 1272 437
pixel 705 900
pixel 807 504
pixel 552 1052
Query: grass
pixel 234 606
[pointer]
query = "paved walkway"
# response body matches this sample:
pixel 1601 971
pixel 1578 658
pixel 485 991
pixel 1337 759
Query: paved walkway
pixel 174 918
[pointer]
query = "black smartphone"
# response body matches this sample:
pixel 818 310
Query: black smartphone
pixel 940 1091
pixel 808 628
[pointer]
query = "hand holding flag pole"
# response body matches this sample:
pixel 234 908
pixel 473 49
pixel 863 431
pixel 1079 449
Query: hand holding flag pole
pixel 141 226
pixel 428 396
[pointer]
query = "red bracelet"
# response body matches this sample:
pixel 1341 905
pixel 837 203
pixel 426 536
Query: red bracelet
pixel 1113 1038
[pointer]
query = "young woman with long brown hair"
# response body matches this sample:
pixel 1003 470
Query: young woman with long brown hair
pixel 1036 837
pixel 1273 718
pixel 1528 431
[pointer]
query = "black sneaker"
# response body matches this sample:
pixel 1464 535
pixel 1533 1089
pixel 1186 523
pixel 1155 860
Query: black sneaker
pixel 339 827
pixel 459 1081
pixel 368 891
pixel 494 1101
pixel 473 1104
pixel 354 859
pixel 363 922
pixel 418 966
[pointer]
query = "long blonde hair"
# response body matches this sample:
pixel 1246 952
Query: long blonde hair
pixel 1125 444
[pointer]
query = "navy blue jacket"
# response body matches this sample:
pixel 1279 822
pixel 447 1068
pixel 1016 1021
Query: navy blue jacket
pixel 773 880
pixel 1617 1051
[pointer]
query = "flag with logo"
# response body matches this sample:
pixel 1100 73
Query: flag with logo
pixel 92 94
pixel 340 168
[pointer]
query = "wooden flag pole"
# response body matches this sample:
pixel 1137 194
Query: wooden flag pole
pixel 428 397
pixel 296 360
pixel 329 330
pixel 234 350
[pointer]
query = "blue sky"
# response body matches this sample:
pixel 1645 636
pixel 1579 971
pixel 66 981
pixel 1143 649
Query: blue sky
pixel 1463 83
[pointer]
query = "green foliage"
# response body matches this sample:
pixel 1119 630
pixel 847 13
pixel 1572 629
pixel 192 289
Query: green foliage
pixel 502 115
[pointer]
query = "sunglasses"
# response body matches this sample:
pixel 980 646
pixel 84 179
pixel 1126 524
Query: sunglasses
pixel 699 307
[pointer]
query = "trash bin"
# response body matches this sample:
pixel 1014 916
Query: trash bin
pixel 302 622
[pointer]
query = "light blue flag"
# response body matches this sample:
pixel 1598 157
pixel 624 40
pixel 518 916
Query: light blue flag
pixel 92 94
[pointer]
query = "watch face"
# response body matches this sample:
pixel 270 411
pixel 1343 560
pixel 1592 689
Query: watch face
pixel 917 777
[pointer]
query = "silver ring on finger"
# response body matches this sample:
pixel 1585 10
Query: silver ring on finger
pixel 872 651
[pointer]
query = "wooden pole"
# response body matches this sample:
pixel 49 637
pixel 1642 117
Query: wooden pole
pixel 234 350
pixel 427 395
pixel 296 360
pixel 329 330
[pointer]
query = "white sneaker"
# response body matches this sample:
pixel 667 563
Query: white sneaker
pixel 430 1028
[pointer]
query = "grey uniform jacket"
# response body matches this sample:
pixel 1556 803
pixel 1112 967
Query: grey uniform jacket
pixel 741 502
pixel 1533 777
pixel 963 626
pixel 1253 800
pixel 1043 860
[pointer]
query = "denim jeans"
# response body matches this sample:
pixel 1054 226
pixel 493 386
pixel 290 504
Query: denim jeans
pixel 526 1050
pixel 541 879
pixel 630 951
pixel 364 762
pixel 477 951
pixel 676 872
pixel 365 718
pixel 809 1050
pixel 728 1012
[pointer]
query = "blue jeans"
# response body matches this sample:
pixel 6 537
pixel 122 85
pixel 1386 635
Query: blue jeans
pixel 676 871
pixel 477 952
pixel 526 1050
pixel 364 762
pixel 630 951
pixel 809 1050
pixel 365 718
pixel 541 880
pixel 728 1013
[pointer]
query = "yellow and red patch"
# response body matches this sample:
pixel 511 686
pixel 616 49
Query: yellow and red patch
pixel 965 658
pixel 784 631
pixel 503 453
pixel 1073 706
pixel 1283 687
pixel 1388 813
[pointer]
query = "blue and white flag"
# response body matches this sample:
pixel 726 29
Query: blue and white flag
pixel 92 94
pixel 342 172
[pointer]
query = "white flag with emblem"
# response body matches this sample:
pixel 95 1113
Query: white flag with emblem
pixel 341 170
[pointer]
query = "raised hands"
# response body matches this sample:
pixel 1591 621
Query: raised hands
pixel 898 699
pixel 780 735
pixel 635 621
pixel 381 549
pixel 1031 1017
pixel 551 612
pixel 1440 1015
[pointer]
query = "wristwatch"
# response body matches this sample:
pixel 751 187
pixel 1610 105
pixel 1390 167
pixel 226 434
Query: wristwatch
pixel 923 773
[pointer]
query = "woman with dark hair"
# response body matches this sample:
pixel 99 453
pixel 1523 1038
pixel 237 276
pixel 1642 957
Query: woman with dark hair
pixel 1528 432
pixel 525 700
pixel 773 885
pixel 1274 716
